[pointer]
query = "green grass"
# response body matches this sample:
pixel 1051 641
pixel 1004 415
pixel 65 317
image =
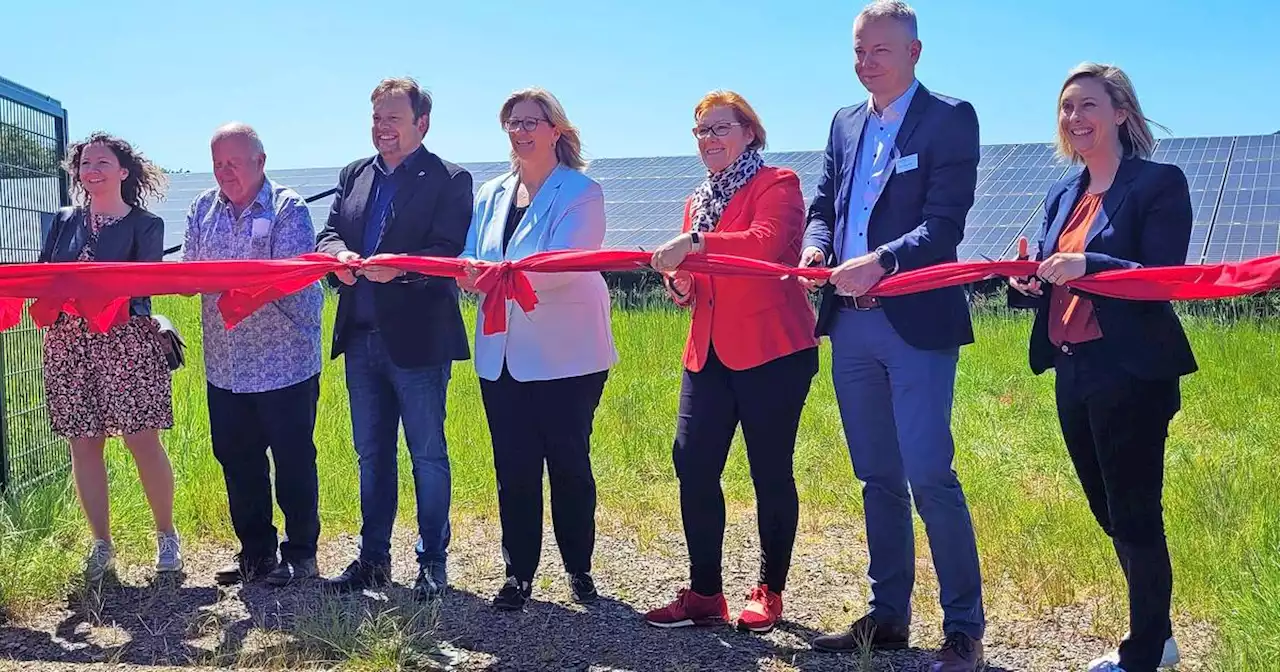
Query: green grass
pixel 1040 546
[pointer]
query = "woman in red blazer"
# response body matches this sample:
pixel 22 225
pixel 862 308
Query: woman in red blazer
pixel 749 360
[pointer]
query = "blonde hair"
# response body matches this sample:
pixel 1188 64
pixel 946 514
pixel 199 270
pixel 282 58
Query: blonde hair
pixel 1135 133
pixel 741 109
pixel 569 146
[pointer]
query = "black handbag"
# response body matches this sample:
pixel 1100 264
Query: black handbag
pixel 171 343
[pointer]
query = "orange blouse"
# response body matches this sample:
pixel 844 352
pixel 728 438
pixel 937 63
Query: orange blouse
pixel 1071 317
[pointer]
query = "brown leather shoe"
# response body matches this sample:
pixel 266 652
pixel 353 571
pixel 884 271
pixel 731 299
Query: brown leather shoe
pixel 959 653
pixel 864 633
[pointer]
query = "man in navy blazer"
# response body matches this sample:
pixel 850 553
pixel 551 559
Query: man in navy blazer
pixel 400 332
pixel 898 181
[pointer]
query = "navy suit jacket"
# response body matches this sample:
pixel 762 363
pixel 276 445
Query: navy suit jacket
pixel 919 216
pixel 1145 220
pixel 419 318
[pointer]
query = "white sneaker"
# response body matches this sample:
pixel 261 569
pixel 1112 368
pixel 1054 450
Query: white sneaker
pixel 1168 658
pixel 100 561
pixel 168 552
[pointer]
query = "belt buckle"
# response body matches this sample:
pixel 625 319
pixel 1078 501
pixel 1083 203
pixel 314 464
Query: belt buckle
pixel 856 302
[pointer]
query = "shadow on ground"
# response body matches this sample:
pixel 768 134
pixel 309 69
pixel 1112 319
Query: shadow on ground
pixel 166 624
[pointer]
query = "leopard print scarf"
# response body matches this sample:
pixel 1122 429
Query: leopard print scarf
pixel 713 195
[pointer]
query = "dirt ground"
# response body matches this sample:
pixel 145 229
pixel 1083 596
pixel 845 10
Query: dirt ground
pixel 192 625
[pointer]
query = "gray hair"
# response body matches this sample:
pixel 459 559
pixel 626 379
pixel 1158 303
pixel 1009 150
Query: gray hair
pixel 237 129
pixel 891 9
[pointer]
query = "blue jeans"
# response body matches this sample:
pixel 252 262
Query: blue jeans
pixel 895 402
pixel 383 396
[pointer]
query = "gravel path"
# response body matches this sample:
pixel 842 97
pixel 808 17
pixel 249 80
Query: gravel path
pixel 195 625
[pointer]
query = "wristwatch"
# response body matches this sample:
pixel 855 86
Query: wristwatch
pixel 696 239
pixel 888 261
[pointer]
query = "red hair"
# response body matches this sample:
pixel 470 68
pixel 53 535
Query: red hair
pixel 741 109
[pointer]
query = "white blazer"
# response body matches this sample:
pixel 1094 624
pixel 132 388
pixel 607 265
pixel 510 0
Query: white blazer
pixel 569 333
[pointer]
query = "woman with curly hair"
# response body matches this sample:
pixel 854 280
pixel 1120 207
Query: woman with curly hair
pixel 114 383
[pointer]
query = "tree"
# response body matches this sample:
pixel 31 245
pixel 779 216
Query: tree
pixel 26 154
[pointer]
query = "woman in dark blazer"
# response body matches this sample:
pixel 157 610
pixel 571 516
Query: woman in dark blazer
pixel 749 360
pixel 1118 362
pixel 115 383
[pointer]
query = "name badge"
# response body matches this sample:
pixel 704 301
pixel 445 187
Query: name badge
pixel 261 228
pixel 908 163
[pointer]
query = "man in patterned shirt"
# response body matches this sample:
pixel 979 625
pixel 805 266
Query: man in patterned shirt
pixel 264 374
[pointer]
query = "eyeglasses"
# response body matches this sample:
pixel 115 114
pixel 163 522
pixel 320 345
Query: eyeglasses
pixel 719 129
pixel 529 125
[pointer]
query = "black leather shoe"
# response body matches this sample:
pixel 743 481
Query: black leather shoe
pixel 584 587
pixel 430 584
pixel 865 633
pixel 244 570
pixel 290 571
pixel 514 594
pixel 358 576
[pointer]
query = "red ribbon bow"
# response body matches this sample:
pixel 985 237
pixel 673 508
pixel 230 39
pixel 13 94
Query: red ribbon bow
pixel 500 282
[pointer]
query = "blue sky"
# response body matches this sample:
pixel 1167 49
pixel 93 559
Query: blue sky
pixel 164 74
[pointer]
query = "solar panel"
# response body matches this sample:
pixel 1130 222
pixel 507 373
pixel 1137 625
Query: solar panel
pixel 1204 160
pixel 992 157
pixel 645 196
pixel 1008 199
pixel 1247 224
pixel 183 189
pixel 483 172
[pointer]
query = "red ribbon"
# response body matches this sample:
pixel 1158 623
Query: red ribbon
pixel 100 291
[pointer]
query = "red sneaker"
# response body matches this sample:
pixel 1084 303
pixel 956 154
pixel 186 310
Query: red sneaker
pixel 762 612
pixel 689 609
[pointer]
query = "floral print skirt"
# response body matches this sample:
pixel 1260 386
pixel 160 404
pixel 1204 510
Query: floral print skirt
pixel 106 384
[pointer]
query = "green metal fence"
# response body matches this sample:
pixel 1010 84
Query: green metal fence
pixel 33 132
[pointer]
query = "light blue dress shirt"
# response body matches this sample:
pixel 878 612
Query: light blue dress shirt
pixel 871 170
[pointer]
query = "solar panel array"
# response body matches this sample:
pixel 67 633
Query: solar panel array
pixel 1235 194
pixel 1245 225
pixel 1008 198
pixel 1204 161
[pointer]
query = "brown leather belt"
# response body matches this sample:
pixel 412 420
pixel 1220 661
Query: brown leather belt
pixel 859 302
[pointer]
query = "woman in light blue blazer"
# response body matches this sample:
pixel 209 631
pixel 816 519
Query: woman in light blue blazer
pixel 542 379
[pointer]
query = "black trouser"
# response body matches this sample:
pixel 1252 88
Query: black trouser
pixel 243 426
pixel 767 401
pixel 532 422
pixel 1115 428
